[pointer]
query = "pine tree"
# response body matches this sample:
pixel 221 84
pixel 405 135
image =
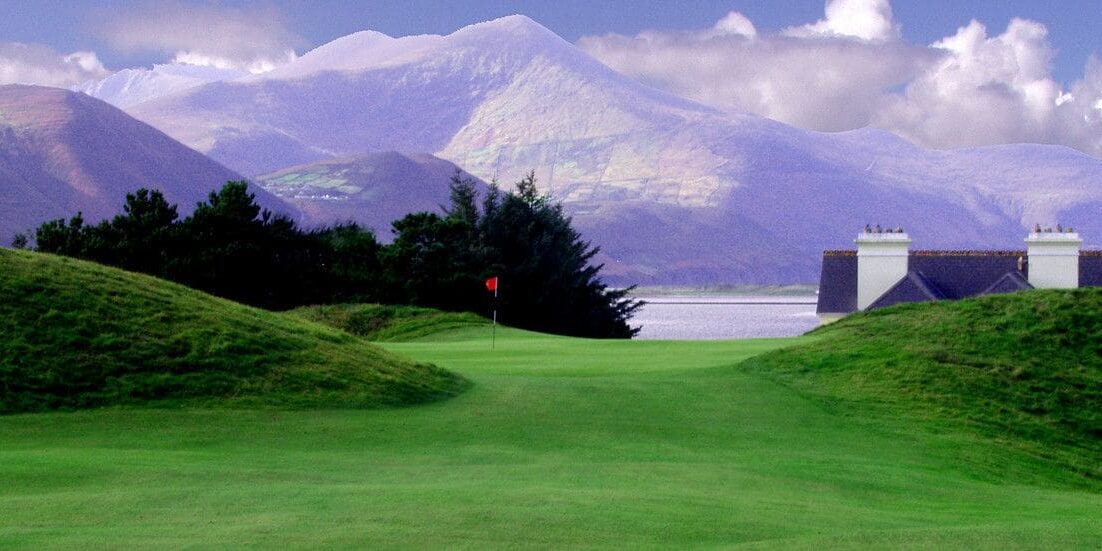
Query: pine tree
pixel 548 281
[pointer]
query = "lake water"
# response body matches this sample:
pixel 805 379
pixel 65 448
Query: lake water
pixel 726 317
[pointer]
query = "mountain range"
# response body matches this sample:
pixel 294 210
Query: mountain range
pixel 63 152
pixel 673 191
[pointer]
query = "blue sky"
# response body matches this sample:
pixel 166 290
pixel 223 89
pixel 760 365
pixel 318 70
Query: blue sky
pixel 67 26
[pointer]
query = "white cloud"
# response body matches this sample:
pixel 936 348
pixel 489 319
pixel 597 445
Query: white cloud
pixel 852 69
pixel 37 64
pixel 255 40
pixel 983 90
pixel 823 82
pixel 864 19
pixel 255 66
pixel 1079 118
pixel 737 24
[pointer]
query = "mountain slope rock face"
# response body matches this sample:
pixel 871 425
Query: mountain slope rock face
pixel 62 152
pixel 673 191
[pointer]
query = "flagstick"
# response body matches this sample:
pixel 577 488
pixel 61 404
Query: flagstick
pixel 493 332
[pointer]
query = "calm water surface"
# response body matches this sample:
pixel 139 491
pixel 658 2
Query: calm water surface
pixel 697 318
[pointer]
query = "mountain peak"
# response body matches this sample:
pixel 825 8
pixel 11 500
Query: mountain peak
pixel 361 40
pixel 359 51
pixel 43 108
pixel 512 30
pixel 515 24
pixel 515 36
pixel 30 95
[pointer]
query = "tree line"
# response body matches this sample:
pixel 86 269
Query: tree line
pixel 230 247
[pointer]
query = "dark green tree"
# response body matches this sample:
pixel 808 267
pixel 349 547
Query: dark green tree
pixel 235 249
pixel 440 260
pixel 463 200
pixel 547 280
pixel 347 258
pixel 142 238
pixel 20 241
pixel 61 237
pixel 429 262
pixel 229 247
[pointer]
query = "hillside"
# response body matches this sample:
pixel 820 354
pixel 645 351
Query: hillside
pixel 62 152
pixel 79 335
pixel 673 191
pixel 1023 368
pixel 373 189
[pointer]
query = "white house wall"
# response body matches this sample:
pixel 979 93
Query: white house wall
pixel 881 263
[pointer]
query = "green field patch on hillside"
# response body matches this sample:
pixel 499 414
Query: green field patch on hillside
pixel 77 335
pixel 319 180
pixel 1024 369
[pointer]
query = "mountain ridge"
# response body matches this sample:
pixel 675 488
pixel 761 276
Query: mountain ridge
pixel 508 96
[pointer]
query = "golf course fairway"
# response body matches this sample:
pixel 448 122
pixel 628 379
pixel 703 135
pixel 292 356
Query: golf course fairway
pixel 558 443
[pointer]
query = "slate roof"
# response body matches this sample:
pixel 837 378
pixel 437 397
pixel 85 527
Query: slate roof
pixel 961 274
pixel 914 287
pixel 1090 269
pixel 1008 283
pixel 936 275
pixel 838 283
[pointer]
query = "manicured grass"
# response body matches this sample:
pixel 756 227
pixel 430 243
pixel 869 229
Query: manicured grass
pixel 1024 369
pixel 560 443
pixel 386 323
pixel 75 334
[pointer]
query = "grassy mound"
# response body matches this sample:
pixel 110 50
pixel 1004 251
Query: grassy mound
pixel 1024 368
pixel 385 323
pixel 75 334
pixel 560 443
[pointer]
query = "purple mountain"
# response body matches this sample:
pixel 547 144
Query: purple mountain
pixel 62 152
pixel 673 191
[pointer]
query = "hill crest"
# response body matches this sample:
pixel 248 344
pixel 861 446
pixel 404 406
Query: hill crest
pixel 80 335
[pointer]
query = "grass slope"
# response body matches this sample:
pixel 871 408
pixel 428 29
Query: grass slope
pixel 75 334
pixel 560 443
pixel 386 323
pixel 1023 368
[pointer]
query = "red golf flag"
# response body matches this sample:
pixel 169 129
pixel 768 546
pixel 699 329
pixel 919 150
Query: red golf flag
pixel 491 284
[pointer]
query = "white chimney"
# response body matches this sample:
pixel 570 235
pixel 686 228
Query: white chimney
pixel 1054 259
pixel 881 262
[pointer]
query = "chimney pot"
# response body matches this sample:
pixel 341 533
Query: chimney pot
pixel 1054 259
pixel 882 260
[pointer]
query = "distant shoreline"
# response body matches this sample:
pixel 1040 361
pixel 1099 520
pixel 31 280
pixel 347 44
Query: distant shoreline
pixel 717 291
pixel 687 301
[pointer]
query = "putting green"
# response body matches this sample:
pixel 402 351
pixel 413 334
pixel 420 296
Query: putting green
pixel 559 443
